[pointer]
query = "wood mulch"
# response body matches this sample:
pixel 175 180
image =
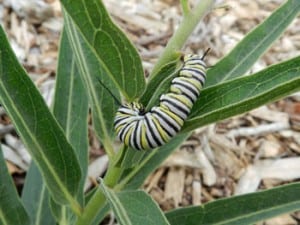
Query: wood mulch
pixel 257 150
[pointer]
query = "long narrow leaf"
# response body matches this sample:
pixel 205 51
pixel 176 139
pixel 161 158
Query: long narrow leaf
pixel 38 129
pixel 35 197
pixel 12 212
pixel 246 53
pixel 70 106
pixel 243 94
pixel 244 209
pixel 117 56
pixel 102 103
pixel 134 207
pixel 71 111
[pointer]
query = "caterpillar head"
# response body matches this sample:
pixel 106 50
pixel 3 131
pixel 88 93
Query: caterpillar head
pixel 136 108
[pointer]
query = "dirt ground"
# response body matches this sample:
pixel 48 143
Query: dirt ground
pixel 246 153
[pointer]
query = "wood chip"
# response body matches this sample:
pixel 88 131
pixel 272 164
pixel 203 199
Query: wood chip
pixel 265 113
pixel 259 130
pixel 197 186
pixel 153 180
pixel 96 169
pixel 208 171
pixel 13 157
pixel 270 148
pixel 281 169
pixel 281 220
pixel 175 185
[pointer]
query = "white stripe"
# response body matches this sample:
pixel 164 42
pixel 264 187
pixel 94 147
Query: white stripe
pixel 185 91
pixel 173 108
pixel 156 133
pixel 148 133
pixel 125 129
pixel 166 126
pixel 138 134
pixel 168 118
pixel 185 82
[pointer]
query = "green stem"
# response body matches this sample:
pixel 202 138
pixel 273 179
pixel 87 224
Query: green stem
pixel 97 202
pixel 136 169
pixel 185 7
pixel 184 30
pixel 108 148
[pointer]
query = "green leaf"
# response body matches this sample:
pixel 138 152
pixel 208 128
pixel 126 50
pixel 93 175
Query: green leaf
pixel 102 103
pixel 12 212
pixel 134 207
pixel 129 157
pixel 245 93
pixel 70 106
pixel 115 53
pixel 71 111
pixel 246 53
pixel 243 209
pixel 35 197
pixel 38 129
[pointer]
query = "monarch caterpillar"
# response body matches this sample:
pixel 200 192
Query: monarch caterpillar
pixel 148 130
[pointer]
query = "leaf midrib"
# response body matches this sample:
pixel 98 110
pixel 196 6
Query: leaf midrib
pixel 84 67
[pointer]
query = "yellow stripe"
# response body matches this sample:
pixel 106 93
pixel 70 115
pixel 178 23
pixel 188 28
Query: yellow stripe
pixel 182 99
pixel 161 131
pixel 144 141
pixel 173 116
pixel 127 136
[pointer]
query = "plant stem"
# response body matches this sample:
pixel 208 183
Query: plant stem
pixel 125 181
pixel 188 24
pixel 98 200
pixel 108 148
pixel 95 204
pixel 185 7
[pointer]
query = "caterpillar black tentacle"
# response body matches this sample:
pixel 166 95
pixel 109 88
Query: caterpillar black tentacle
pixel 148 130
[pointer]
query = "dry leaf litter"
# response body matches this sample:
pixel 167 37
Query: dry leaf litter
pixel 243 154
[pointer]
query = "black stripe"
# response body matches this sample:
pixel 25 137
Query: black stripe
pixel 198 62
pixel 152 133
pixel 135 136
pixel 165 128
pixel 122 131
pixel 166 119
pixel 118 122
pixel 194 76
pixel 158 134
pixel 187 87
pixel 183 110
pixel 189 97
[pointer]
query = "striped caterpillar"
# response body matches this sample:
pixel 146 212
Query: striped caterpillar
pixel 148 130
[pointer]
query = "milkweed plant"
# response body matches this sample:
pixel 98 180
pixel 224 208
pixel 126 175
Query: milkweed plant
pixel 96 56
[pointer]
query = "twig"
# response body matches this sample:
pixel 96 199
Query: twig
pixel 260 130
